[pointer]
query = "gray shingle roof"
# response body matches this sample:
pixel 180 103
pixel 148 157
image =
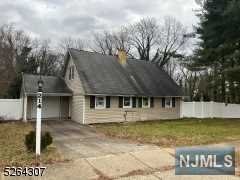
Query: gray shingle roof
pixel 102 74
pixel 52 85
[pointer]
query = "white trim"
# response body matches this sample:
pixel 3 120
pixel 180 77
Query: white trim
pixel 125 107
pixel 104 100
pixel 148 102
pixel 25 109
pixel 83 109
pixel 121 95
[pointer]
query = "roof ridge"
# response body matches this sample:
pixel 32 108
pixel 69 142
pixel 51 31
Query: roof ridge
pixel 94 52
pixel 91 52
pixel 41 75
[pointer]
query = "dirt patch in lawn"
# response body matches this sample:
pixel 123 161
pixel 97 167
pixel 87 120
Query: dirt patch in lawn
pixel 13 151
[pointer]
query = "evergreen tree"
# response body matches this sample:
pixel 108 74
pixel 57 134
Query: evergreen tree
pixel 219 47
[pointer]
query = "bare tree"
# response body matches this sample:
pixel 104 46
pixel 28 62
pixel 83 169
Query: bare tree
pixel 14 40
pixel 109 42
pixel 13 45
pixel 104 43
pixel 69 42
pixel 122 39
pixel 144 36
pixel 48 60
pixel 170 40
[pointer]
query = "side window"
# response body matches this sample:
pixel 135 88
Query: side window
pixel 70 73
pixel 168 102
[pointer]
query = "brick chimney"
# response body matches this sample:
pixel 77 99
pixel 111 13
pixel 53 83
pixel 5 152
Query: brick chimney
pixel 122 56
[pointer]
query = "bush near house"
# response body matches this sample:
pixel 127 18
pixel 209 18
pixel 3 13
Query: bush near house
pixel 13 151
pixel 30 141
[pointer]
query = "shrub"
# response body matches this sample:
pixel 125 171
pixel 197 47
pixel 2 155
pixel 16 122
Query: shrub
pixel 30 141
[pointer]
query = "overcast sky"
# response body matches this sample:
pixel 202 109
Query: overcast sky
pixel 78 18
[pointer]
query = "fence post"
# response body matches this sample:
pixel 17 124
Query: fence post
pixel 181 108
pixel 202 109
pixel 193 110
pixel 211 108
pixel 25 109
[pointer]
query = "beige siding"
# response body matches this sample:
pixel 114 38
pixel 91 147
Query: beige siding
pixel 116 114
pixel 76 101
pixel 77 109
pixel 29 107
pixel 75 84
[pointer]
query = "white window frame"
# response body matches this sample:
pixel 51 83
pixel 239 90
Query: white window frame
pixel 104 102
pixel 143 106
pixel 130 102
pixel 168 106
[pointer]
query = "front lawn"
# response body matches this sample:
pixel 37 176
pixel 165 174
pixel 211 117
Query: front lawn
pixel 12 148
pixel 176 132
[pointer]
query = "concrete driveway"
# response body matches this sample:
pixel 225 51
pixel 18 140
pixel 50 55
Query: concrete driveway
pixel 96 157
pixel 81 141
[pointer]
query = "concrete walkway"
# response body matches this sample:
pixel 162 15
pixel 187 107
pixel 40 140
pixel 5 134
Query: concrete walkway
pixel 96 157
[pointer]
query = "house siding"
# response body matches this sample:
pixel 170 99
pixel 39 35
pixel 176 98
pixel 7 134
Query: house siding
pixel 116 114
pixel 76 101
pixel 74 84
pixel 77 109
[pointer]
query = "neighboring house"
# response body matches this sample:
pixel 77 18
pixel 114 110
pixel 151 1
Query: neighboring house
pixel 98 88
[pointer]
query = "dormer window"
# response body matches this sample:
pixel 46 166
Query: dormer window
pixel 71 72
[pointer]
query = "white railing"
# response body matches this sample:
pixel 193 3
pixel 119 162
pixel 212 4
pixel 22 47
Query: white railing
pixel 210 110
pixel 10 109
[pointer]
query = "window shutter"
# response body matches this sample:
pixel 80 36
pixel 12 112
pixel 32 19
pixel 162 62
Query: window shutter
pixel 173 102
pixel 134 102
pixel 92 102
pixel 108 102
pixel 152 102
pixel 120 103
pixel 163 102
pixel 139 102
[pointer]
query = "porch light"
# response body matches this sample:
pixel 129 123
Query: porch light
pixel 40 85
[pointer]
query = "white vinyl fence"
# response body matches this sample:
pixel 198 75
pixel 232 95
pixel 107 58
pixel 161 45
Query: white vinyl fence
pixel 10 109
pixel 210 110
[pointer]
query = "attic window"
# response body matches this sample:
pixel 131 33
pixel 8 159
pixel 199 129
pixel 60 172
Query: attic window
pixel 71 72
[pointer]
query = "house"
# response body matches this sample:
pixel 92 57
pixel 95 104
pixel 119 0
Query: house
pixel 98 88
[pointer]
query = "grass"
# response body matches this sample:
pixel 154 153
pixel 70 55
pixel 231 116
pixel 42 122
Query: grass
pixel 176 132
pixel 12 148
pixel 182 132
